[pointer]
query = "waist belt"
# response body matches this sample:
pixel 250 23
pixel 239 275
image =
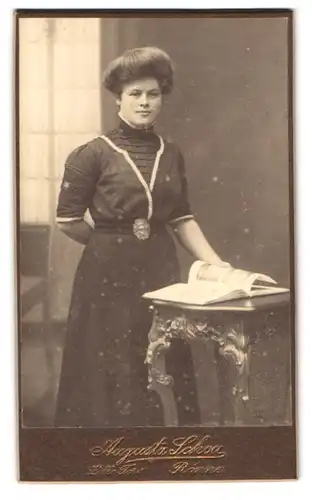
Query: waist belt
pixel 126 227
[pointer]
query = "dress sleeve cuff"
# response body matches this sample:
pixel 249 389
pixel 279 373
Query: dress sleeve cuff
pixel 68 219
pixel 179 219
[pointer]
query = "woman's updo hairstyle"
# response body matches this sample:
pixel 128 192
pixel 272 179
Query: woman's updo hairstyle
pixel 134 64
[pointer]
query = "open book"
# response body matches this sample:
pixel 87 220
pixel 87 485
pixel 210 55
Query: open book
pixel 208 284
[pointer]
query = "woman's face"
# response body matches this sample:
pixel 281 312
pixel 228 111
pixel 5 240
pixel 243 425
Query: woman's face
pixel 140 102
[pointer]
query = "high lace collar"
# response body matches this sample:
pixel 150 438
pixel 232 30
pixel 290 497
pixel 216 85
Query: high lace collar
pixel 127 129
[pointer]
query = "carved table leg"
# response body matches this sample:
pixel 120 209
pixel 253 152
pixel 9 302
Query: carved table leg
pixel 158 379
pixel 233 356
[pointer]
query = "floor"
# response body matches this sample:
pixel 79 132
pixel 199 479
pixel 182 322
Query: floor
pixel 40 368
pixel 40 363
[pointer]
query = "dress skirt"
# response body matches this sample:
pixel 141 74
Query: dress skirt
pixel 103 377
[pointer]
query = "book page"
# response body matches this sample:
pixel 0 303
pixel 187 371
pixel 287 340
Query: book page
pixel 239 278
pixel 258 290
pixel 235 279
pixel 198 293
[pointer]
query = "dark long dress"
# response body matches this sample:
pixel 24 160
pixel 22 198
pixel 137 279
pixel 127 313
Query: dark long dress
pixel 103 378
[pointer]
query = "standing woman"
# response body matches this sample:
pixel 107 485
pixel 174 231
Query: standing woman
pixel 133 183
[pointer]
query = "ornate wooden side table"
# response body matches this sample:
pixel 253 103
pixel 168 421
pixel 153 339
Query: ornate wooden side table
pixel 243 332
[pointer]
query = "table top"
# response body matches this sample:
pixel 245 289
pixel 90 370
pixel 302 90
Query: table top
pixel 239 305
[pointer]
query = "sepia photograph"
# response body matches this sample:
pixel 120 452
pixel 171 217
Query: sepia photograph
pixel 155 243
